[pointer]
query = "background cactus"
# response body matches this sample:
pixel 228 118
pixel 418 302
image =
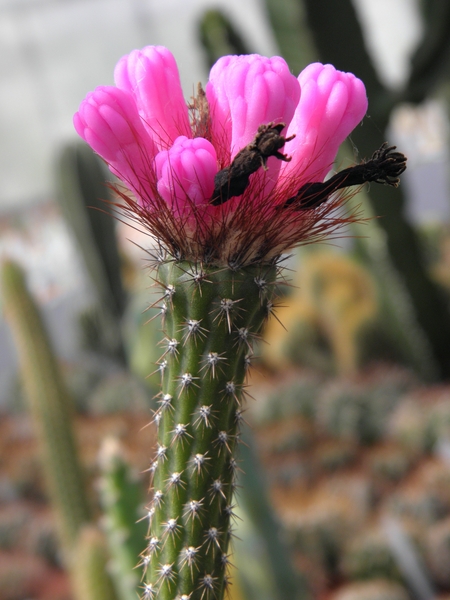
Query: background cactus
pixel 219 37
pixel 277 577
pixel 332 511
pixel 86 205
pixel 50 406
pixel 335 316
pixel 374 590
pixel 370 557
pixel 211 318
pixel 89 567
pixel 122 500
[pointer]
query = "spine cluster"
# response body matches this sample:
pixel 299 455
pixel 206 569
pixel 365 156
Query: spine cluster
pixel 211 318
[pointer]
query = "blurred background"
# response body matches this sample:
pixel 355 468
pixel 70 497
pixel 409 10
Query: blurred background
pixel 350 438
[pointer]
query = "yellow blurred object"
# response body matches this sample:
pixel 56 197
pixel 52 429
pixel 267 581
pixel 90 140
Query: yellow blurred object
pixel 234 591
pixel 335 300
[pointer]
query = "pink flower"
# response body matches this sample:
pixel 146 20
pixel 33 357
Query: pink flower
pixel 182 161
pixel 109 122
pixel 245 92
pixel 186 170
pixel 151 77
pixel 331 106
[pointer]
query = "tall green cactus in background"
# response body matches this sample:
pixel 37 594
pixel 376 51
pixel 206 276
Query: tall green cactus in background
pixel 83 197
pixel 50 405
pixel 338 39
pixel 277 578
pixel 219 37
pixel 122 500
pixel 90 566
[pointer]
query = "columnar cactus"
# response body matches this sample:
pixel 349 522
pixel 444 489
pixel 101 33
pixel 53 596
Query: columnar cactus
pixel 90 579
pixel 50 405
pixel 122 503
pixel 211 185
pixel 211 319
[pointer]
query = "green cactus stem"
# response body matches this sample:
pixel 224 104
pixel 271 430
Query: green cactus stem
pixel 50 405
pixel 212 317
pixel 122 500
pixel 89 569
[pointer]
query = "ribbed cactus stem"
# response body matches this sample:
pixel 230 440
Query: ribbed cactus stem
pixel 211 319
pixel 122 500
pixel 89 570
pixel 50 404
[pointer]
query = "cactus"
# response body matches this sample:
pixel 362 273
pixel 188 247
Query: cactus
pixel 337 304
pixel 258 516
pixel 377 589
pixel 439 421
pixel 408 425
pixel 332 455
pixel 21 576
pixel 13 520
pixel 211 319
pixel 219 37
pixel 424 497
pixel 389 463
pixel 89 567
pixel 80 189
pixel 51 408
pixel 50 405
pixel 347 411
pixel 320 529
pixel 345 299
pixel 291 31
pixel 437 551
pixel 42 539
pixel 299 398
pixel 122 501
pixel 369 556
pixel 407 340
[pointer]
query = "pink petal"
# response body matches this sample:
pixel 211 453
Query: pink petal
pixel 331 105
pixel 186 173
pixel 151 77
pixel 245 92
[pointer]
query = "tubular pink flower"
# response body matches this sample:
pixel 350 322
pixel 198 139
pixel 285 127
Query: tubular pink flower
pixel 109 122
pixel 219 180
pixel 186 173
pixel 151 77
pixel 245 92
pixel 331 105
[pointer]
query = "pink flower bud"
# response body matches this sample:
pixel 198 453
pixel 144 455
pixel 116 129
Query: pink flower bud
pixel 245 92
pixel 109 122
pixel 151 77
pixel 258 207
pixel 331 105
pixel 186 173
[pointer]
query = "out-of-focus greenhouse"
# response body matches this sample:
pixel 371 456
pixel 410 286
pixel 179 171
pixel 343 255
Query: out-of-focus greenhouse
pixel 345 469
